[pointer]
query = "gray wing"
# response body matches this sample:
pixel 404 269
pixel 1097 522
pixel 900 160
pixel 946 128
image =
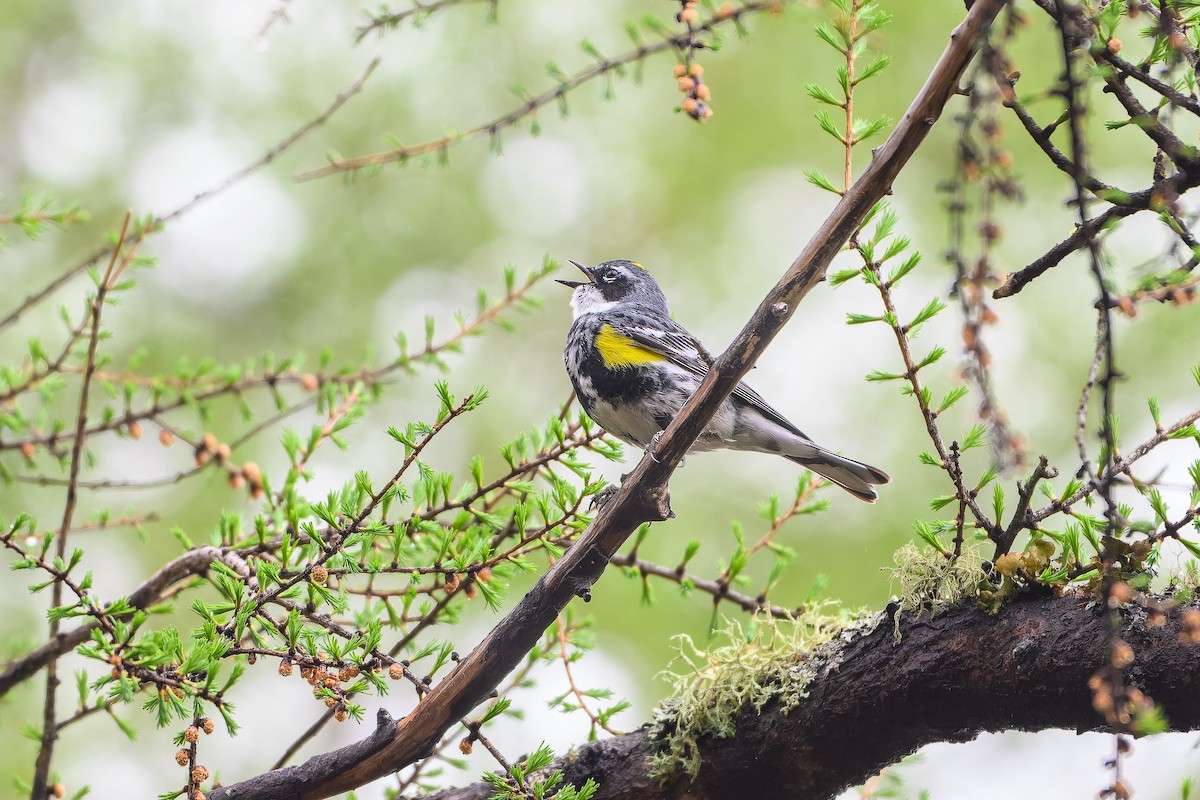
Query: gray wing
pixel 674 342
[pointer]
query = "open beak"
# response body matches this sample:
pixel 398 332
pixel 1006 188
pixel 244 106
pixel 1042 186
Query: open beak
pixel 587 271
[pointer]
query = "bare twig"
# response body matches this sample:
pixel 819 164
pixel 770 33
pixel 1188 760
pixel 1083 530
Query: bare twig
pixel 580 699
pixel 719 591
pixel 1087 231
pixel 393 19
pixel 278 14
pixel 1071 20
pixel 1143 76
pixel 1020 518
pixel 1085 396
pixel 982 160
pixel 1040 135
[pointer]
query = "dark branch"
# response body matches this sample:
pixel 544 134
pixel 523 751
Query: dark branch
pixel 1143 76
pixel 1040 135
pixel 1004 541
pixel 950 678
pixel 1131 204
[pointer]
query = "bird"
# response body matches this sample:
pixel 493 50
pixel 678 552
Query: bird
pixel 633 368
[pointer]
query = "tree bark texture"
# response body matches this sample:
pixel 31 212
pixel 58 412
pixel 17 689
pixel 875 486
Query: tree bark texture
pixel 949 678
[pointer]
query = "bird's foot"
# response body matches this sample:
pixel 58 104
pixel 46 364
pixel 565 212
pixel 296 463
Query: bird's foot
pixel 602 498
pixel 652 445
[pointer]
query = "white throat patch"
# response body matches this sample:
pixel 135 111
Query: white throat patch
pixel 587 299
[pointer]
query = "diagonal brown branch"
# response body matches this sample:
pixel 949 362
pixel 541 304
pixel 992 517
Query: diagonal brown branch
pixel 643 496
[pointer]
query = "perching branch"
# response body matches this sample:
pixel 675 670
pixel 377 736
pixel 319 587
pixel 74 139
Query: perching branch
pixel 949 678
pixel 643 496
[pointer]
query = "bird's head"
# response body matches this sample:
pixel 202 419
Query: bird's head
pixel 614 283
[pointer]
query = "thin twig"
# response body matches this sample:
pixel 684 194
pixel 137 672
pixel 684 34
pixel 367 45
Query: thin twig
pixel 911 374
pixel 1120 465
pixel 1088 230
pixel 277 15
pixel 983 162
pixel 1085 397
pixel 719 591
pixel 1143 76
pixel 41 769
pixel 215 387
pixel 393 19
pixel 1040 136
pixel 533 104
pixel 1070 20
pixel 850 54
pixel 565 658
pixel 1020 518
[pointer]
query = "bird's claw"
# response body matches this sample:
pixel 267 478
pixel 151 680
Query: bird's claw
pixel 601 498
pixel 653 444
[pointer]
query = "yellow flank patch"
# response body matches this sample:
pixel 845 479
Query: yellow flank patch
pixel 620 352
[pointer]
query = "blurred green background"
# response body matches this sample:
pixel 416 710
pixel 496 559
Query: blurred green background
pixel 141 105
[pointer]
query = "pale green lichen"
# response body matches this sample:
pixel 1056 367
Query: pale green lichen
pixel 929 581
pixel 1185 585
pixel 771 661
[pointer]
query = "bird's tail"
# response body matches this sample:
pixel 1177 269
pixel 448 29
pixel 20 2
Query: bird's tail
pixel 855 477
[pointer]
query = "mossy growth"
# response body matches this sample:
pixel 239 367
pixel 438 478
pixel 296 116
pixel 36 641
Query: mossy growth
pixel 932 581
pixel 1184 586
pixel 768 661
pixel 929 578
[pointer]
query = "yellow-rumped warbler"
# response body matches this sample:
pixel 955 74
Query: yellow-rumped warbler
pixel 633 368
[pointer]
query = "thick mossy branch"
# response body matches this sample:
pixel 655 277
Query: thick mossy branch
pixel 772 664
pixel 872 701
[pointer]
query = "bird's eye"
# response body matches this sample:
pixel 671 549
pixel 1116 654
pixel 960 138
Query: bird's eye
pixel 610 276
